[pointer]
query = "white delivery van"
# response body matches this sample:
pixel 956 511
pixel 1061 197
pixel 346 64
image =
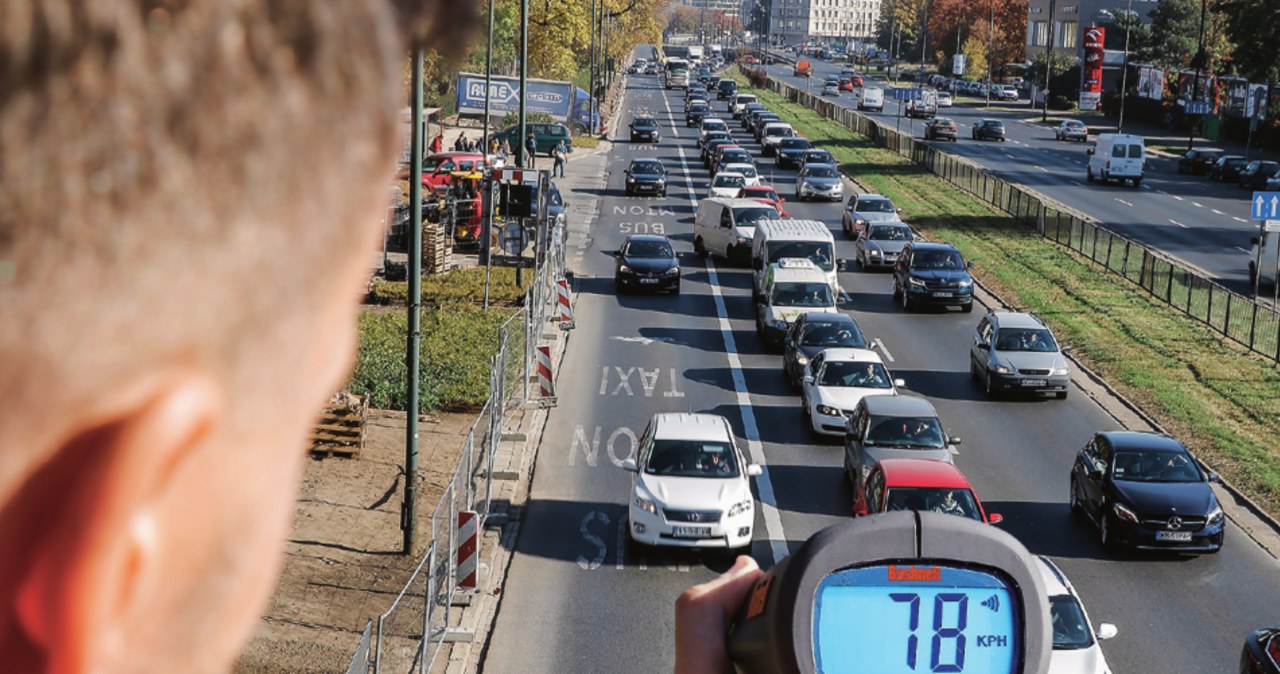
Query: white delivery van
pixel 778 239
pixel 1117 156
pixel 726 227
pixel 872 99
pixel 1268 262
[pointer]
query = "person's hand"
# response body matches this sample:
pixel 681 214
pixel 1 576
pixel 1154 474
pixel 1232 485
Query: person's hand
pixel 702 618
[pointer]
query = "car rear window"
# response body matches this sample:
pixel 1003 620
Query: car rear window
pixel 933 498
pixel 842 335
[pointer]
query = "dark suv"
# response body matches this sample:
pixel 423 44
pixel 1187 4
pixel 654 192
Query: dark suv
pixel 645 128
pixel 988 129
pixel 726 90
pixel 932 274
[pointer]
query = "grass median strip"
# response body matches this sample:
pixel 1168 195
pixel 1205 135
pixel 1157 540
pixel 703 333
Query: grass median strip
pixel 1221 401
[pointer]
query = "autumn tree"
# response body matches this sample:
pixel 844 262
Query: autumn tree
pixel 1175 35
pixel 899 27
pixel 967 19
pixel 1251 25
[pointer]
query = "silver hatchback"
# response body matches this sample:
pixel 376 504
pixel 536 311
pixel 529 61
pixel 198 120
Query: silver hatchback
pixel 1017 353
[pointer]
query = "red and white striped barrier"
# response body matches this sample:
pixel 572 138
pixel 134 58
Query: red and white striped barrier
pixel 565 304
pixel 466 549
pixel 546 384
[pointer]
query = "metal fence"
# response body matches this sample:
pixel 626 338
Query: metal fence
pixel 1242 319
pixel 409 635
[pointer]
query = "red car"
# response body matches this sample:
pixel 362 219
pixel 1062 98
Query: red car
pixel 846 85
pixel 920 484
pixel 764 194
pixel 438 168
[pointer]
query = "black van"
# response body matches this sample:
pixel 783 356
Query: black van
pixel 726 90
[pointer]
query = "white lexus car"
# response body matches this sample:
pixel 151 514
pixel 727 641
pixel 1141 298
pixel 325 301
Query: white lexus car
pixel 1075 643
pixel 836 380
pixel 690 487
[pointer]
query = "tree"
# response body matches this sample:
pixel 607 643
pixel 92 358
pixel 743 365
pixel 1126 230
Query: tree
pixel 975 52
pixel 899 27
pixel 1175 35
pixel 1250 24
pixel 974 18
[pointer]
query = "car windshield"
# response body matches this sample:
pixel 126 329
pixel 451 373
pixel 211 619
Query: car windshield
pixel 745 169
pixel 646 121
pixel 691 458
pixel 821 172
pixel 845 335
pixel 921 432
pixel 699 107
pixel 801 294
pixel 889 233
pixel 736 157
pixel 794 143
pixel 646 167
pixel 432 163
pixel 1073 125
pixel 749 216
pixel 1026 339
pixel 716 135
pixel 727 180
pixel 660 249
pixel 1139 466
pixel 818 158
pixel 817 251
pixel 937 259
pixel 874 206
pixel 715 126
pixel 1070 629
pixel 993 125
pixel 855 374
pixel 948 501
pixel 943 121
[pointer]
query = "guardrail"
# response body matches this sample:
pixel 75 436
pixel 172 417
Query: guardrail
pixel 1241 319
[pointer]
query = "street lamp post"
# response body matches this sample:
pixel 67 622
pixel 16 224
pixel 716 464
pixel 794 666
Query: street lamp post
pixel 1124 74
pixel 1200 59
pixel 991 52
pixel 1048 60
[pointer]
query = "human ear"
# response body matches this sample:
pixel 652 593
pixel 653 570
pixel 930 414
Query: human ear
pixel 93 559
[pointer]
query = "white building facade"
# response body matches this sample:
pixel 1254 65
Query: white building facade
pixel 826 22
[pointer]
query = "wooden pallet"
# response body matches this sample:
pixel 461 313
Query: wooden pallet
pixel 437 250
pixel 341 430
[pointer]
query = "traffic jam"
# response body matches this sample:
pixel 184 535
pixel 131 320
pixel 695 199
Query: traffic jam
pixel 1143 493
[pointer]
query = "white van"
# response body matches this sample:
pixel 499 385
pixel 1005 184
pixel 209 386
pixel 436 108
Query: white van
pixel 727 227
pixel 872 99
pixel 777 239
pixel 1270 263
pixel 740 103
pixel 1117 156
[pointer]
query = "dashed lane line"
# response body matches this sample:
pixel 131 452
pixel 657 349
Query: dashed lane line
pixel 1179 224
pixel 1124 202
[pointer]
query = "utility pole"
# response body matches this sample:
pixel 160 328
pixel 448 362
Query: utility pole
pixel 488 77
pixel 924 37
pixel 1048 61
pixel 991 52
pixel 1124 74
pixel 1200 61
pixel 524 94
pixel 592 78
pixel 409 509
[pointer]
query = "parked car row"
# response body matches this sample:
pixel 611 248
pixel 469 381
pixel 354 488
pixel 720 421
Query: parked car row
pixel 1257 174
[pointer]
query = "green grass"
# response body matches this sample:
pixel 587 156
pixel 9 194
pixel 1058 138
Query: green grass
pixel 585 142
pixel 460 286
pixel 1221 401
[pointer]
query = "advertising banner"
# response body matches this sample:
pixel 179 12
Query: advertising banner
pixel 1151 83
pixel 1093 55
pixel 1089 100
pixel 545 96
pixel 958 64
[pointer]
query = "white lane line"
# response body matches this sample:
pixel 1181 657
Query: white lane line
pixel 1179 224
pixel 1161 192
pixel 1042 169
pixel 675 131
pixel 1077 183
pixel 1241 249
pixel 755 449
pixel 1237 219
pixel 1197 204
pixel 1217 212
pixel 884 349
pixel 1177 197
pixel 1124 202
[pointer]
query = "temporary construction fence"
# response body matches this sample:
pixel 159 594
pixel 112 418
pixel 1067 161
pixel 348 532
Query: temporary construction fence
pixel 425 616
pixel 1244 320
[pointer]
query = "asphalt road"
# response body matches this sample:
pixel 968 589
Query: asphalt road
pixel 574 601
pixel 1198 221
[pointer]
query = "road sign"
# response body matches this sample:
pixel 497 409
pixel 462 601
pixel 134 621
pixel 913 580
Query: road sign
pixel 1198 107
pixel 1265 206
pixel 1271 226
pixel 906 94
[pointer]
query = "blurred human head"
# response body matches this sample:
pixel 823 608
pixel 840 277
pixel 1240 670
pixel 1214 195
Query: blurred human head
pixel 178 301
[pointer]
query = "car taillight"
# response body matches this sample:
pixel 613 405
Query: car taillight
pixel 1108 163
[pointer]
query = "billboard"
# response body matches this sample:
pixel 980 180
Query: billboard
pixel 545 96
pixel 1151 83
pixel 1094 37
pixel 958 64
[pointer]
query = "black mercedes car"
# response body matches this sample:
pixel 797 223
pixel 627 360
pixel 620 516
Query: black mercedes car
pixel 810 334
pixel 645 129
pixel 1228 167
pixel 1145 491
pixel 790 149
pixel 1261 653
pixel 646 176
pixel 1198 162
pixel 696 113
pixel 988 129
pixel 647 262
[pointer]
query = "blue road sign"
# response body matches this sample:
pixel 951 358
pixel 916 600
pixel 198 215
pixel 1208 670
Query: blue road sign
pixel 1265 206
pixel 1198 107
pixel 906 94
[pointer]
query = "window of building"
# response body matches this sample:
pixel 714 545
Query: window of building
pixel 1069 34
pixel 1039 33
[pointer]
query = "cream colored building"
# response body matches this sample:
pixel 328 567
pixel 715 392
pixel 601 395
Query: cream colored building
pixel 824 21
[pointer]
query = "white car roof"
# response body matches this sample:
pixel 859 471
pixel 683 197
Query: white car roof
pixel 691 426
pixel 797 269
pixel 843 355
pixel 776 125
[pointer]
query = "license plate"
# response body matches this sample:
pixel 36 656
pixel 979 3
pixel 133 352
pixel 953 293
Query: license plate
pixel 1183 536
pixel 691 532
pixel 1034 382
pixel 944 293
pixel 648 280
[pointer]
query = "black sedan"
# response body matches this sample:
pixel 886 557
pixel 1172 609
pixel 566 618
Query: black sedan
pixel 647 262
pixel 1256 173
pixel 696 113
pixel 1145 491
pixel 988 129
pixel 1198 162
pixel 1228 167
pixel 646 176
pixel 810 334
pixel 941 127
pixel 789 151
pixel 645 129
pixel 1261 653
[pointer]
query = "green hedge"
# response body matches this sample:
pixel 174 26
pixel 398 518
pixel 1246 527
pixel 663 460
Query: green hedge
pixel 457 343
pixel 460 286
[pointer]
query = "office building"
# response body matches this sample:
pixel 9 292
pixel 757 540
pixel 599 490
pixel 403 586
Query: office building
pixel 825 22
